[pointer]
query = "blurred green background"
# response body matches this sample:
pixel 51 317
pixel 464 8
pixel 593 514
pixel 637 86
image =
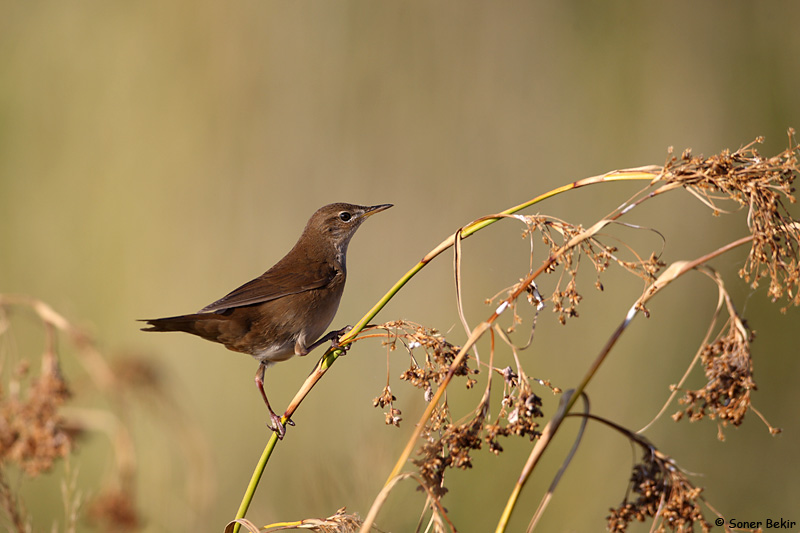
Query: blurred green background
pixel 155 155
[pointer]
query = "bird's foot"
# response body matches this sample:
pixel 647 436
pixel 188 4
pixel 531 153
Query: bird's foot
pixel 335 340
pixel 332 336
pixel 277 426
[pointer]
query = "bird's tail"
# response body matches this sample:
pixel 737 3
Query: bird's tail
pixel 185 323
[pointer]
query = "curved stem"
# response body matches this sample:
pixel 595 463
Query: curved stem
pixel 330 356
pixel 671 274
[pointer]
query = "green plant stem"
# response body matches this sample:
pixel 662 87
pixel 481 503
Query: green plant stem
pixel 644 173
pixel 251 487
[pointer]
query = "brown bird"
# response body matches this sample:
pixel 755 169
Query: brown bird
pixel 284 311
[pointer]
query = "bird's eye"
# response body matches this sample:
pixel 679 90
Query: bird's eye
pixel 345 216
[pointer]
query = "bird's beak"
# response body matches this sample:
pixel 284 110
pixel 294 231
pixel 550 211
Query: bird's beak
pixel 369 211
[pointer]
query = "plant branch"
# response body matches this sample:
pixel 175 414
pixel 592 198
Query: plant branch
pixel 330 356
pixel 672 273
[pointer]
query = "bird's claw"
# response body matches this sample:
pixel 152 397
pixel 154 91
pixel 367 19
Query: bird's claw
pixel 278 427
pixel 335 341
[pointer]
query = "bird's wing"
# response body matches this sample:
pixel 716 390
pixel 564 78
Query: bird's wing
pixel 273 284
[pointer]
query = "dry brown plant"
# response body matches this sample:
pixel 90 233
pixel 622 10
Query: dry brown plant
pixel 40 428
pixel 661 491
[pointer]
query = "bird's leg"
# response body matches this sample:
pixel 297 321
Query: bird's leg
pixel 277 426
pixel 334 337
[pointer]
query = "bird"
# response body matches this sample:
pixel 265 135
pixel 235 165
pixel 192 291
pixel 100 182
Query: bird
pixel 285 311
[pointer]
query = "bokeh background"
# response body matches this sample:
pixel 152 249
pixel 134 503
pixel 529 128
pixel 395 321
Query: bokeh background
pixel 155 155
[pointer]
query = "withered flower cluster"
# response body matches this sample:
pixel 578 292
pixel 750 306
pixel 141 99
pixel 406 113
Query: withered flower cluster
pixel 439 356
pixel 422 374
pixel 662 493
pixel 447 444
pixel 760 185
pixel 32 433
pixel 448 447
pixel 425 374
pixel 34 430
pixel 555 235
pixel 520 408
pixel 729 370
